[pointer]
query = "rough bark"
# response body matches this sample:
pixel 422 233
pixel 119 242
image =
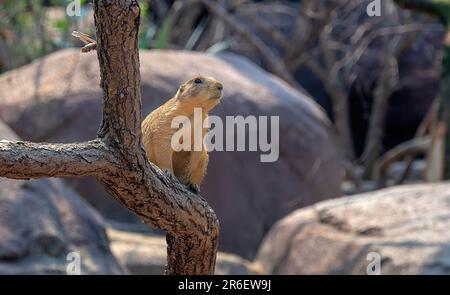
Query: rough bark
pixel 117 158
pixel 25 160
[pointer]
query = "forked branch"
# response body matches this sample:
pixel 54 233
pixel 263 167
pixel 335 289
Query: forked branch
pixel 117 158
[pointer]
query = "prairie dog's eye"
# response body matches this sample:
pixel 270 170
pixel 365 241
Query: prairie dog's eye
pixel 198 81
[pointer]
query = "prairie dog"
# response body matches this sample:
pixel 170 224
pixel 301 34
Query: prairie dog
pixel 188 166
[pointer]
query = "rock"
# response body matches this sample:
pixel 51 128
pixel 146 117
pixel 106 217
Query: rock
pixel 42 221
pixel 406 225
pixel 145 254
pixel 58 99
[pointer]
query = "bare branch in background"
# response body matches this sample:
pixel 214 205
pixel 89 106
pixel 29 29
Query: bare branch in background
pixel 438 155
pixel 411 148
pixel 273 62
pixel 330 39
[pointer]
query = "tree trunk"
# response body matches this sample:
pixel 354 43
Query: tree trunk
pixel 117 159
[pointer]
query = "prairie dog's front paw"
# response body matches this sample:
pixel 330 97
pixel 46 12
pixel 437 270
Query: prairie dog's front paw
pixel 195 188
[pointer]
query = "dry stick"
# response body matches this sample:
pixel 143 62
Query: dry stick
pixel 295 52
pixel 117 159
pixel 90 44
pixel 411 148
pixel 270 31
pixel 438 156
pixel 274 63
pixel 384 90
pixel 331 81
pixel 189 17
pixel 352 175
pixel 277 66
pixel 422 130
pixel 370 146
pixel 331 84
pixel 340 107
pixel 214 32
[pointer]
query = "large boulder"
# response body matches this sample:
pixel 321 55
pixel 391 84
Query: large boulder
pixel 42 221
pixel 405 227
pixel 58 99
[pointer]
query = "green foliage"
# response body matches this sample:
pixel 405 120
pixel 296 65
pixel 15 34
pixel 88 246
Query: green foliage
pixel 22 20
pixel 163 35
pixel 40 27
pixel 62 24
pixel 147 29
pixel 36 31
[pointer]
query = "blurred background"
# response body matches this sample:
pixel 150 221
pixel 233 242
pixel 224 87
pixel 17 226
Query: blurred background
pixel 356 98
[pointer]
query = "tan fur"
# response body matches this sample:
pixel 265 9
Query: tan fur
pixel 188 166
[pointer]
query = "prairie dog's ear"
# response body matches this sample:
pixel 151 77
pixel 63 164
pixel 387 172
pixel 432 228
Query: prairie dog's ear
pixel 181 89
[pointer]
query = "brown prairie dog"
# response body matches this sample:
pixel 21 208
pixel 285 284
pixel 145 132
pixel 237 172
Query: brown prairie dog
pixel 188 166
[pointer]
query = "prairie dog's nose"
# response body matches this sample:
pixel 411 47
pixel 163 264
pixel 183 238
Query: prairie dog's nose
pixel 219 86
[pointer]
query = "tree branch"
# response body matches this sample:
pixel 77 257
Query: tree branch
pixel 25 160
pixel 160 200
pixel 117 158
